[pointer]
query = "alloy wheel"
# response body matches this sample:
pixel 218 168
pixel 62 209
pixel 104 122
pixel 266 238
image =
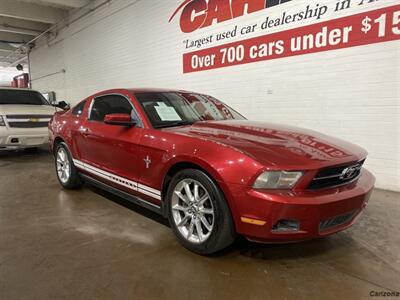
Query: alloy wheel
pixel 63 166
pixel 192 211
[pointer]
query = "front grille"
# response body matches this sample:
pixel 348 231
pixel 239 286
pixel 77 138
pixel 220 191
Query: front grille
pixel 336 221
pixel 27 124
pixel 19 117
pixel 335 176
pixel 28 121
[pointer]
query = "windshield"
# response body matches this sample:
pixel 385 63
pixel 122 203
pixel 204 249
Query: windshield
pixel 22 97
pixel 174 109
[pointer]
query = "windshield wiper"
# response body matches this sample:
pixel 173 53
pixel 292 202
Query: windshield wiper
pixel 174 124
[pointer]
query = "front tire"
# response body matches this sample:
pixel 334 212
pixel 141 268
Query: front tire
pixel 198 213
pixel 67 173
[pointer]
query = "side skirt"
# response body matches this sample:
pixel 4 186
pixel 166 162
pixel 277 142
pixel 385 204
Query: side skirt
pixel 134 199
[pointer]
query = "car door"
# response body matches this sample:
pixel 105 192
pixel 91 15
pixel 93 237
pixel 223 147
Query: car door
pixel 111 152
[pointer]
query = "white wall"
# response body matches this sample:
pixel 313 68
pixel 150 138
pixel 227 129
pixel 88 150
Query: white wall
pixel 352 93
pixel 7 75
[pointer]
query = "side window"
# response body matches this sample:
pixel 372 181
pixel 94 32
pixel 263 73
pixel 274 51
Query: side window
pixel 78 109
pixel 110 104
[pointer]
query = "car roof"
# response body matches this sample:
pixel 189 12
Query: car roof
pixel 16 89
pixel 153 90
pixel 138 90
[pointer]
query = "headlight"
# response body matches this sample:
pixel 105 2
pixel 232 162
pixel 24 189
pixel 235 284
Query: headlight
pixel 2 123
pixel 277 180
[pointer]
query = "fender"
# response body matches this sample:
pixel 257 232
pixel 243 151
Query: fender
pixel 210 170
pixel 191 160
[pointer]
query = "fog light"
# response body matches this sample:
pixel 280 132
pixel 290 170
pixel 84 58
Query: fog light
pixel 286 225
pixel 14 141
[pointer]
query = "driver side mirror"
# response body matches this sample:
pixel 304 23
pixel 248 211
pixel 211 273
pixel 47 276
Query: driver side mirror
pixel 119 120
pixel 61 104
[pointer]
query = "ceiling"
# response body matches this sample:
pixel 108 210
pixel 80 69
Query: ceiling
pixel 23 20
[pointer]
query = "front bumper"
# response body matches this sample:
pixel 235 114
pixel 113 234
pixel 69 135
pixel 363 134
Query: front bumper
pixel 313 210
pixel 11 138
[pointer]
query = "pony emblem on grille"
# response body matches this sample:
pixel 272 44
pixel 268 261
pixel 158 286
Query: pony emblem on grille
pixel 350 172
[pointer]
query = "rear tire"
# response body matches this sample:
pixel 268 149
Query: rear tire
pixel 198 213
pixel 67 173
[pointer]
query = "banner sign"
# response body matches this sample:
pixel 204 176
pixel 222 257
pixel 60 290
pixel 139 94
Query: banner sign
pixel 377 26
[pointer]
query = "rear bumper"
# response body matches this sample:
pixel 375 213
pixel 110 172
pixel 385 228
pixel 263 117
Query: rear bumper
pixel 23 138
pixel 334 209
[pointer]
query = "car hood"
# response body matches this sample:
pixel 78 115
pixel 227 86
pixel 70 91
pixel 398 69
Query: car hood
pixel 19 109
pixel 276 145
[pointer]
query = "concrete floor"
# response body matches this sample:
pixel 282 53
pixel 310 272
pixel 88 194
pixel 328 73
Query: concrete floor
pixel 87 244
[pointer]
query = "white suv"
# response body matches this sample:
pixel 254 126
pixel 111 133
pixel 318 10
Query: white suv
pixel 24 117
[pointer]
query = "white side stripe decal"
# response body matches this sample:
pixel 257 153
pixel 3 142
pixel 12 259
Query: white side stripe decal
pixel 141 188
pixel 148 189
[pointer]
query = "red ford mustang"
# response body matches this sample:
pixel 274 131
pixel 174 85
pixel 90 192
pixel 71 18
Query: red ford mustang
pixel 210 171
